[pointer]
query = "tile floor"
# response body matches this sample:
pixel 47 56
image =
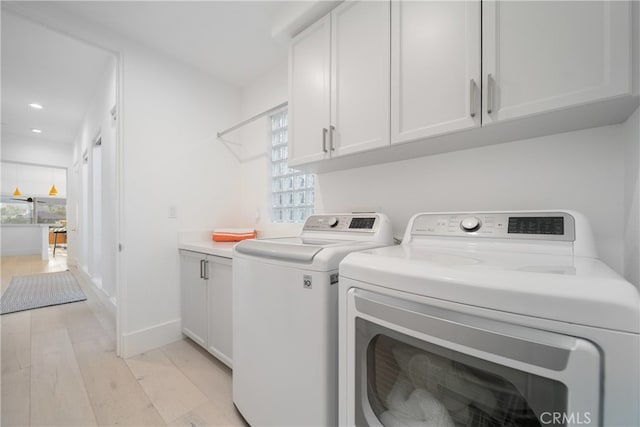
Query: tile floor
pixel 59 367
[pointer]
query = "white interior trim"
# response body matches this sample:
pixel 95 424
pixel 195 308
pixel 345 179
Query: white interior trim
pixel 146 339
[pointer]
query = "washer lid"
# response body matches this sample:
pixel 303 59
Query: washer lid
pixel 563 288
pixel 295 249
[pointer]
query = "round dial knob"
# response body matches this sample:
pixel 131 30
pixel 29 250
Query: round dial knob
pixel 333 221
pixel 470 223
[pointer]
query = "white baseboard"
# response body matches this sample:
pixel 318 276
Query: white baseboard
pixel 150 338
pixel 105 298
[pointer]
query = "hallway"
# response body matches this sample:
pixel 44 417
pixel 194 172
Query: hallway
pixel 59 367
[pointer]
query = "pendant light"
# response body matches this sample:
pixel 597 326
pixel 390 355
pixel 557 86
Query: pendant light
pixel 16 192
pixel 54 190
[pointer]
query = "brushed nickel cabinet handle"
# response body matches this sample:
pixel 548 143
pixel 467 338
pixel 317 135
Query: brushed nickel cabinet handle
pixel 472 98
pixel 324 139
pixel 331 132
pixel 490 94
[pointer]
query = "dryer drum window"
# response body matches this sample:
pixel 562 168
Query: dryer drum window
pixel 419 383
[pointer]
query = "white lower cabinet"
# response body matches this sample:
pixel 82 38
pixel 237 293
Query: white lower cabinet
pixel 219 304
pixel 193 296
pixel 205 291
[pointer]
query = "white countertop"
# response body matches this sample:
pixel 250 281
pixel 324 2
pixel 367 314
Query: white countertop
pixel 221 249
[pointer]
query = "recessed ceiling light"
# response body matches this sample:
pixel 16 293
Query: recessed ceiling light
pixel 36 106
pixel 36 130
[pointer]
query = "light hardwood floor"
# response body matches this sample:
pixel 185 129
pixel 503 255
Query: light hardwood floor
pixel 59 367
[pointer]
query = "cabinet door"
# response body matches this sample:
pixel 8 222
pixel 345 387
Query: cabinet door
pixel 193 296
pixel 220 299
pixel 548 55
pixel 435 68
pixel 309 91
pixel 360 43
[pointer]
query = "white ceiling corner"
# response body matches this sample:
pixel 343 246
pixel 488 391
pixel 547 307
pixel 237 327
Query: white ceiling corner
pixel 237 41
pixel 45 67
pixel 232 40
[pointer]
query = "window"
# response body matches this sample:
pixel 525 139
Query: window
pixel 16 211
pixel 47 210
pixel 292 191
pixel 51 211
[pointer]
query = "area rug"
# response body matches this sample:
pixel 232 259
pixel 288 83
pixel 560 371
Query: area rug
pixel 40 290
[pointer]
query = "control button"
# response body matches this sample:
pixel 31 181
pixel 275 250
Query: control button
pixel 332 222
pixel 470 223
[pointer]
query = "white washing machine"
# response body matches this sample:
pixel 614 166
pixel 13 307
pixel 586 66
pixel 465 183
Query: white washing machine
pixel 285 319
pixel 488 319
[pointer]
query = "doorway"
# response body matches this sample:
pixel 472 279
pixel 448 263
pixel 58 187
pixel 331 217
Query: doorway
pixel 67 90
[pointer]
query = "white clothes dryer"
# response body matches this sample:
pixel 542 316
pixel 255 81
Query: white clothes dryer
pixel 488 319
pixel 285 319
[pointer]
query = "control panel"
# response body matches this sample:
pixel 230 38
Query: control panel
pixel 342 222
pixel 521 225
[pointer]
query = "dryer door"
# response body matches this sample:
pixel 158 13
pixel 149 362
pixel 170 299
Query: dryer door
pixel 416 364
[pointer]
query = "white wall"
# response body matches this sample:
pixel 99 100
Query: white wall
pixel 171 158
pixel 581 170
pixel 266 92
pixel 170 114
pixel 32 180
pixel 632 199
pixel 632 173
pixel 18 148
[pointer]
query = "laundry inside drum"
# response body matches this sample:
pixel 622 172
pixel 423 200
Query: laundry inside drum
pixel 439 387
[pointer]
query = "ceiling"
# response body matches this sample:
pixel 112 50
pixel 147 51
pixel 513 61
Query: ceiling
pixel 236 41
pixel 229 39
pixel 44 67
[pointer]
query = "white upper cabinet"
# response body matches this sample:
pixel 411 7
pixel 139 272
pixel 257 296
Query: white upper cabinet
pixel 359 77
pixel 540 56
pixel 309 92
pixel 435 68
pixel 339 83
pixel 391 80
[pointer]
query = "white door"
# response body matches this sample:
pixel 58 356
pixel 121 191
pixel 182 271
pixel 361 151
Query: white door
pixel 193 294
pixel 359 76
pixel 547 55
pixel 219 274
pixel 410 363
pixel 309 91
pixel 435 68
